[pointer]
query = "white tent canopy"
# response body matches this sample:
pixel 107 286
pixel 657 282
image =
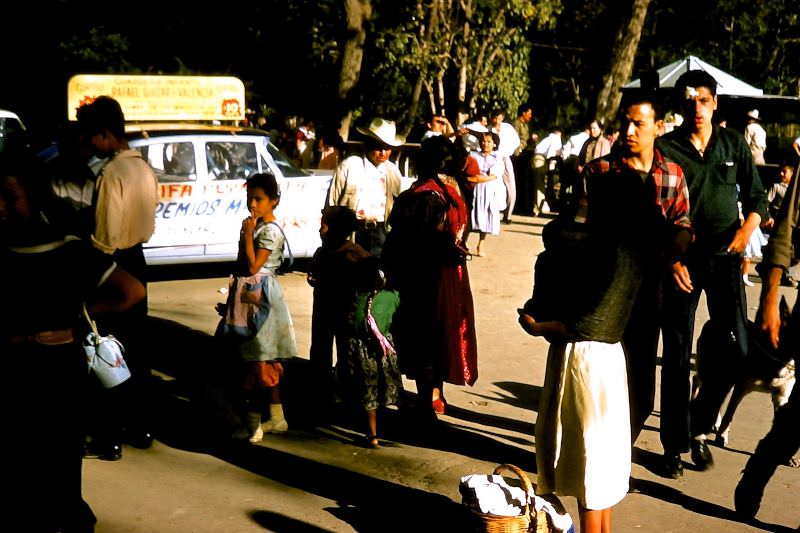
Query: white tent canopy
pixel 726 84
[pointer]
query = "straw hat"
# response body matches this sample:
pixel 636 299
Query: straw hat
pixel 753 113
pixel 384 131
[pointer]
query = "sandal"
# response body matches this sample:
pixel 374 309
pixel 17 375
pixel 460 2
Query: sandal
pixel 372 441
pixel 439 405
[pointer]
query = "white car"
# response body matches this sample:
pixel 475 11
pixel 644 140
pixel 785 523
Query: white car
pixel 10 125
pixel 202 199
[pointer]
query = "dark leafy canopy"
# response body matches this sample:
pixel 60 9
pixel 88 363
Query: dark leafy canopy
pixel 553 53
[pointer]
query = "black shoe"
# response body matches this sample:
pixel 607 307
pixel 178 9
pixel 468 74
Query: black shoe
pixel 701 455
pixel 138 438
pixel 104 452
pixel 505 221
pixel 673 467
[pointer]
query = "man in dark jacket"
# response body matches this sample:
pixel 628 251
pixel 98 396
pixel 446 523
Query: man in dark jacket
pixel 720 172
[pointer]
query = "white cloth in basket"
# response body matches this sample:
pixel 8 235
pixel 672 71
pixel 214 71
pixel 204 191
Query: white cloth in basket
pixel 494 494
pixel 559 517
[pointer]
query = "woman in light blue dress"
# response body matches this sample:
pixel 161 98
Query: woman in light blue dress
pixel 489 195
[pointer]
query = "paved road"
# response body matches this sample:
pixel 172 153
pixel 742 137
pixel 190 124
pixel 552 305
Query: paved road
pixel 321 479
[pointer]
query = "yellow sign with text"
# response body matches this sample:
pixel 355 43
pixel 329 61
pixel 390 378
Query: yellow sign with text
pixel 163 98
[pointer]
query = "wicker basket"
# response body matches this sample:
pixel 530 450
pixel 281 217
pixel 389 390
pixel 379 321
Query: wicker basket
pixel 528 521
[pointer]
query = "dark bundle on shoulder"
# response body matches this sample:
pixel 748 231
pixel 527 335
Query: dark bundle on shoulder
pixel 586 277
pixel 559 270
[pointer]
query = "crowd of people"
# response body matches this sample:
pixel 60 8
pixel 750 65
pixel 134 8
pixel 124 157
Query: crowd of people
pixel 696 214
pixel 661 217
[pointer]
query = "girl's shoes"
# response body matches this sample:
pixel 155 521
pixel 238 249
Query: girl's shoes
pixel 275 426
pixel 256 437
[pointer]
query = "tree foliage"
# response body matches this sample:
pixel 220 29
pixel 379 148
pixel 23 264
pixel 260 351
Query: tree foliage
pixel 418 54
pixel 755 40
pixel 462 54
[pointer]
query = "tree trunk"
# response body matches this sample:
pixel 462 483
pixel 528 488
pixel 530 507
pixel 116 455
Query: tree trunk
pixel 424 48
pixel 623 54
pixel 440 93
pixel 358 12
pixel 416 93
pixel 463 54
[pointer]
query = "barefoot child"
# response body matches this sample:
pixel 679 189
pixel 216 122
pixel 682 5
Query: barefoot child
pixel 366 367
pixel 348 302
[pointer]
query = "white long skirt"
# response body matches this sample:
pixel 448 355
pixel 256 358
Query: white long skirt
pixel 583 432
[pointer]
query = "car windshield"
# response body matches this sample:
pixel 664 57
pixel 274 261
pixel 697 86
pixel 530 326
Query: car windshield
pixel 288 169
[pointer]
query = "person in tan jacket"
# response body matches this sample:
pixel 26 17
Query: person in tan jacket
pixel 126 198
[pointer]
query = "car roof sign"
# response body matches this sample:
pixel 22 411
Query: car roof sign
pixel 165 98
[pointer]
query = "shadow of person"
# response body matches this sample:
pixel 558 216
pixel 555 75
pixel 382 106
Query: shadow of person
pixel 671 495
pixel 196 404
pixel 281 523
pixel 366 503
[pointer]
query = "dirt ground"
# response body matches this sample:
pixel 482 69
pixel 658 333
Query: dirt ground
pixel 320 478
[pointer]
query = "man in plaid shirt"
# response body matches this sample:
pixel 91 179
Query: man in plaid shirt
pixel 669 211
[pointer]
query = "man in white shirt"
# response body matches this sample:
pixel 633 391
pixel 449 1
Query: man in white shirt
pixel 545 159
pixel 572 148
pixel 509 142
pixel 756 136
pixel 369 183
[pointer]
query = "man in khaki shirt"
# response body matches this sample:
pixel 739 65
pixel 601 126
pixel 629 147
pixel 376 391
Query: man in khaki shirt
pixel 125 205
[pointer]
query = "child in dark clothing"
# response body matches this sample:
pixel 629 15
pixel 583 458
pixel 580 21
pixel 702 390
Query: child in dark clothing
pixel 330 273
pixel 366 366
pixel 350 305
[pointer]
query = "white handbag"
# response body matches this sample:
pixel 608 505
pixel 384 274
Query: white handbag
pixel 104 356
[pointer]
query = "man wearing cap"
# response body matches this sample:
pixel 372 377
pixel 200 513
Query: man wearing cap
pixel 369 183
pixel 756 136
pixel 720 172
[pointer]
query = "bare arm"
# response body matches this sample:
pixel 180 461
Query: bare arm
pixel 551 330
pixel 256 257
pixel 742 236
pixel 120 291
pixel 482 178
pixel 769 318
pixel 681 276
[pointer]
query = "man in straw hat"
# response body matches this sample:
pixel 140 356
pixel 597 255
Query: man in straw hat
pixel 756 136
pixel 369 183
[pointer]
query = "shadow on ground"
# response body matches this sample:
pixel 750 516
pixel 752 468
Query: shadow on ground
pixel 671 495
pixel 195 409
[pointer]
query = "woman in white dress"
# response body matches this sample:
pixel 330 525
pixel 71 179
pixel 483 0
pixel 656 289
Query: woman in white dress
pixel 489 196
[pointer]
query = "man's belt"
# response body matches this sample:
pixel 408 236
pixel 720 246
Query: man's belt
pixel 48 338
pixel 370 224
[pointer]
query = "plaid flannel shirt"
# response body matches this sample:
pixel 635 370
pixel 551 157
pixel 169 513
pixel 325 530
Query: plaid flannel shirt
pixel 671 190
